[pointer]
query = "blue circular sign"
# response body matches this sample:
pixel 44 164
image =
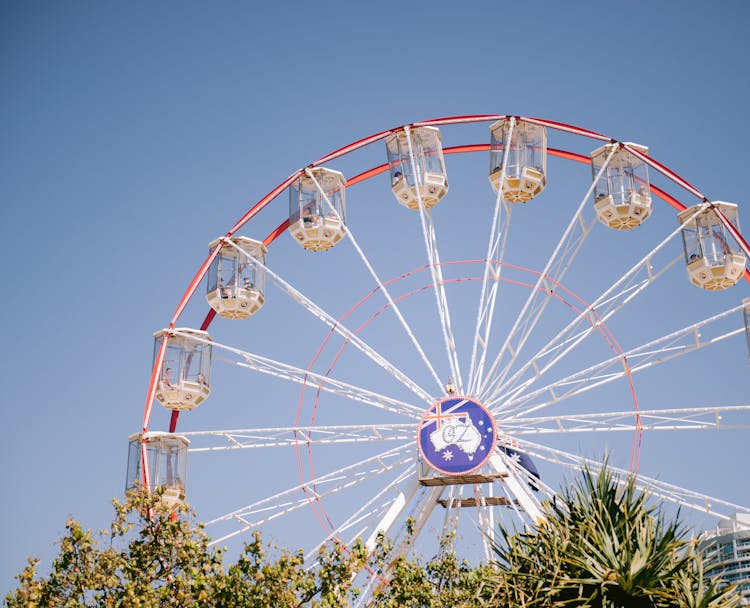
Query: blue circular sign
pixel 456 435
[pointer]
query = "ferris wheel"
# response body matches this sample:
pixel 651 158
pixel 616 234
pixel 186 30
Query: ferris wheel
pixel 368 350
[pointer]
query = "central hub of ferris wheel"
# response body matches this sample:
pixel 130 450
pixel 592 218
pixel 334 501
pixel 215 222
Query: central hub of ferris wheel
pixel 458 441
pixel 455 437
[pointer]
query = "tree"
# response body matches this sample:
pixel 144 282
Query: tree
pixel 604 544
pixel 151 556
pixel 444 580
pixel 147 557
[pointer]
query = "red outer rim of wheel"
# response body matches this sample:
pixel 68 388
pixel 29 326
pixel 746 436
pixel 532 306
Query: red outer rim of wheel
pixel 465 119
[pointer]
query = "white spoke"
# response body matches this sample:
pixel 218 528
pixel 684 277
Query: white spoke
pixel 312 380
pixel 374 510
pixel 623 291
pixel 301 495
pixel 563 255
pixel 682 342
pixel 671 419
pixel 380 283
pixel 433 257
pixel 523 481
pixel 513 504
pixel 335 325
pixel 241 439
pixel 492 269
pixel 656 488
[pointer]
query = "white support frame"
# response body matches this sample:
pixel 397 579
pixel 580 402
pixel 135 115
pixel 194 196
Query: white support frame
pixel 667 419
pixel 519 491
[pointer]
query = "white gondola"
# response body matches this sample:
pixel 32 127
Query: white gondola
pixel 526 166
pixel 184 377
pixel 622 195
pixel 236 278
pixel 713 258
pixel 423 179
pixel 164 457
pixel 317 209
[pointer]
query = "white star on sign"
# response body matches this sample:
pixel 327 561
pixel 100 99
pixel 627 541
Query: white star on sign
pixel 448 455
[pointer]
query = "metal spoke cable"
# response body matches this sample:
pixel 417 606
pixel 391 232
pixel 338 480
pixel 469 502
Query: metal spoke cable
pixel 593 315
pixel 492 268
pixel 433 257
pixel 340 329
pixel 379 282
pixel 666 419
pixel 298 375
pixel 284 502
pixel 654 487
pixel 666 348
pixel 562 344
pixel 567 248
pixel 272 437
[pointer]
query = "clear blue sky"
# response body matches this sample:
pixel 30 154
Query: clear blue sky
pixel 135 133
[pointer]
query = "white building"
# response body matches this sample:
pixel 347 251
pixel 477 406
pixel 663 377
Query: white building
pixel 728 549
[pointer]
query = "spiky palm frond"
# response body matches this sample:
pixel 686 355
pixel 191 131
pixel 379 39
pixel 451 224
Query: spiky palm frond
pixel 604 544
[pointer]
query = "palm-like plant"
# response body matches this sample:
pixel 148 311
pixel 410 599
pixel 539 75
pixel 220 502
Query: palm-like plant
pixel 604 544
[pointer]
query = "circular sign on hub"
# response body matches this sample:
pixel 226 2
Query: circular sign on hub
pixel 456 436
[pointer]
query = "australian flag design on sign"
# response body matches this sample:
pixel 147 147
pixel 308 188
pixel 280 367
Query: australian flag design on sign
pixel 456 436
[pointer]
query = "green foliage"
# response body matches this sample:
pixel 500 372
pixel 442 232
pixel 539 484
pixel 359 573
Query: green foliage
pixel 443 581
pixel 604 545
pixel 151 556
pixel 147 557
pixel 256 581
